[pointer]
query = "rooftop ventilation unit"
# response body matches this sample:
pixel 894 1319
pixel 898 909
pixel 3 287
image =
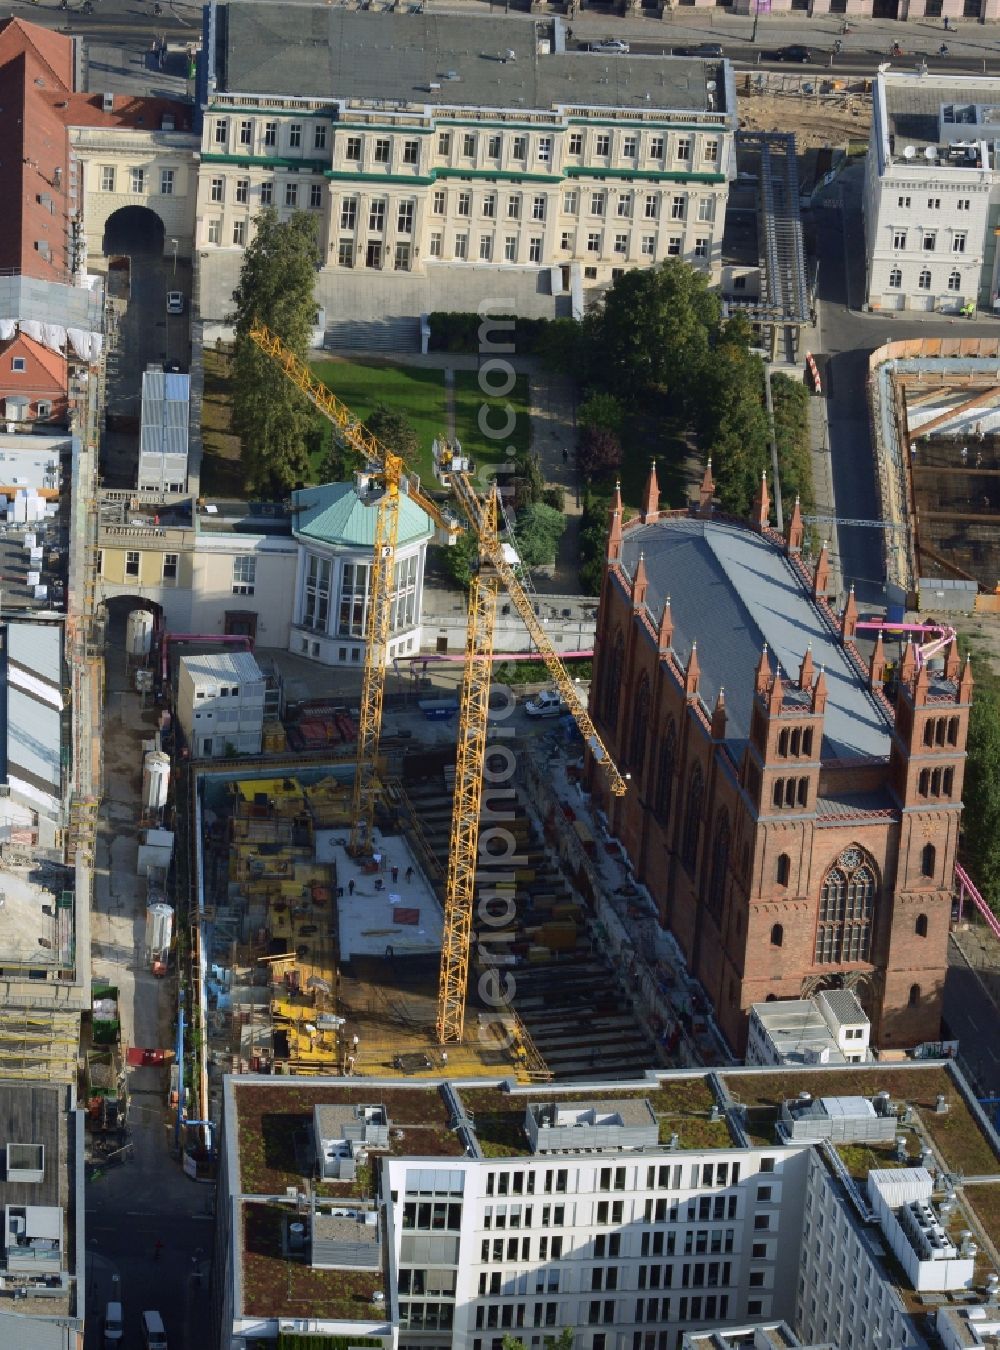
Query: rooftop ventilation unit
pixel 107 103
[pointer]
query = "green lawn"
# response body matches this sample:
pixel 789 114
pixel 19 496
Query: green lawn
pixel 469 399
pixel 417 392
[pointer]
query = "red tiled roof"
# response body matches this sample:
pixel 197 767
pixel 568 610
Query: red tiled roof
pixel 53 363
pixel 36 73
pixel 52 49
pixel 141 114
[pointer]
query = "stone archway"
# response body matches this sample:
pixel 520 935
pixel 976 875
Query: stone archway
pixel 134 230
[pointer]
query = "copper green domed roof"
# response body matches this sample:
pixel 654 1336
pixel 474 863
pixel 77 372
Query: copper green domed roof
pixel 334 514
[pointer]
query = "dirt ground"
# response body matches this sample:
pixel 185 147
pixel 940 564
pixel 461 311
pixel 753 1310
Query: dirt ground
pixel 824 120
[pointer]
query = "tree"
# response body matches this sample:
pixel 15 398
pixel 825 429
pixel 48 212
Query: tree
pixel 395 430
pixel 564 1341
pixel 460 559
pixel 537 533
pixel 653 329
pixel 981 791
pixel 271 416
pixel 601 410
pixel 599 452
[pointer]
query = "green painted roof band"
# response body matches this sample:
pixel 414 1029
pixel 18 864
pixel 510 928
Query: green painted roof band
pixel 650 176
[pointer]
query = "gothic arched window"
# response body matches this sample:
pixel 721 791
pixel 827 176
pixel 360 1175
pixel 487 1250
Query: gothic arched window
pixel 692 820
pixel 720 864
pixel 640 730
pixel 846 910
pixel 612 687
pixel 664 790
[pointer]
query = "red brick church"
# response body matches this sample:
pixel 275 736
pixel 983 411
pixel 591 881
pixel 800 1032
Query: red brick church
pixel 795 827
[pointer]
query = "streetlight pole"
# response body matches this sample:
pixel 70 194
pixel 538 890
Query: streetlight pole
pixel 174 243
pixel 756 16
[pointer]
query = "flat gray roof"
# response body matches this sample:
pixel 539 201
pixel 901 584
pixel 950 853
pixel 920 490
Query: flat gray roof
pixel 913 107
pixel 332 53
pixel 731 591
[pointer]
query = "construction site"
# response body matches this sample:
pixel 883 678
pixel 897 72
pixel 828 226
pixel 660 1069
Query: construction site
pixel 408 905
pixel 937 401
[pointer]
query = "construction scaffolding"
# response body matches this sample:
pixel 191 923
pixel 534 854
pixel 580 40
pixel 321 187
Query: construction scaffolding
pixel 784 300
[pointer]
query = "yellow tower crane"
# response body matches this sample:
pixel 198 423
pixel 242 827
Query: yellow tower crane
pixel 497 562
pixel 383 480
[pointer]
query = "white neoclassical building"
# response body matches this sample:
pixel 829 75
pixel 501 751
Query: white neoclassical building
pixel 441 153
pixel 931 193
pixel 335 531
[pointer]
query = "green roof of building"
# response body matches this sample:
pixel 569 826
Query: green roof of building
pixel 334 514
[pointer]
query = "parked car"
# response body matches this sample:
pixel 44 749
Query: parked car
pixel 611 47
pixel 113 1326
pixel 154 1336
pixel 175 302
pixel 795 52
pixel 706 49
pixel 546 704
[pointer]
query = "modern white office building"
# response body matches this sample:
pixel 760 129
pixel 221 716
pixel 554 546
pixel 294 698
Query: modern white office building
pixel 461 153
pixel 830 1028
pixel 458 1213
pixel 932 193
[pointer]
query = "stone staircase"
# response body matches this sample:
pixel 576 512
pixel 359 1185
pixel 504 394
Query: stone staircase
pixel 400 334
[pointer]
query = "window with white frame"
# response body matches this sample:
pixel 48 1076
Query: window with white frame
pixel 316 599
pixel 348 213
pixel 352 611
pixel 107 178
pixel 929 241
pixel 270 134
pixel 958 241
pixel 493 147
pixel 319 136
pixel 468 145
pixel 594 241
pixel 712 151
pixel 485 248
pixel 345 253
pixel 677 208
pixel 602 144
pixel 575 143
pixel 895 278
pixel 138 180
pixel 899 238
pixel 18 364
pixel 538 208
pixel 461 247
pixel 221 131
pixel 647 245
pixel 352 149
pixel 490 205
pixel 403 609
pixel 924 280
pixel 291 194
pixel 170 562
pixel 955 281
pixel 239 232
pixel 963 204
pixel 514 208
pixel 437 242
pixel 242 191
pixel 571 202
pixel 684 147
pixel 621 243
pixel 535 250
pixel 656 147
pixel 438 202
pixel 544 149
pixel 651 206
pixel 246 132
pixel 706 209
pixel 217 190
pixel 701 248
pixel 376 216
pixel 510 248
pixel 630 146
pixel 411 152
pixel 295 135
pixel 166 182
pixel 597 203
pixel 401 256
pixel 382 148
pixel 132 565
pixel 214 233
pixel 244 574
pixel 519 147
pixel 444 143
pixel 464 204
pixel 404 218
pixel 315 195
pixel 624 206
pixel 674 246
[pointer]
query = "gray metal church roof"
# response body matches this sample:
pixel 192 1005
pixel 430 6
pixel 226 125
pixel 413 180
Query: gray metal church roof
pixel 731 591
